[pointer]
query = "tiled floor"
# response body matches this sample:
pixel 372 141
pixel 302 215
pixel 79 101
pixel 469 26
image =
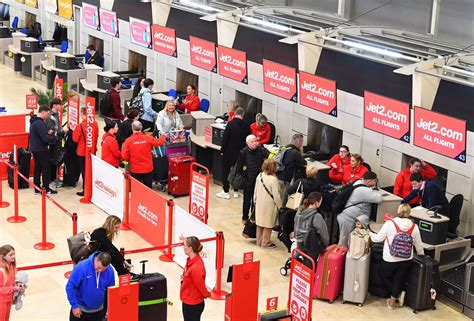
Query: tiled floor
pixel 46 298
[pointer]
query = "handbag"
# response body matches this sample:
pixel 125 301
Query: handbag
pixel 250 227
pixel 58 152
pixel 81 246
pixel 236 180
pixel 296 199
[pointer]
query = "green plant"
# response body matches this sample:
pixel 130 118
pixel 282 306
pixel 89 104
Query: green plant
pixel 45 97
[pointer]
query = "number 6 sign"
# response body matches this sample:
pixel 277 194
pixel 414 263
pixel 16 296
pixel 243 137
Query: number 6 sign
pixel 272 303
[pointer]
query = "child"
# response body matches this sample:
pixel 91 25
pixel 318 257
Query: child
pixel 359 238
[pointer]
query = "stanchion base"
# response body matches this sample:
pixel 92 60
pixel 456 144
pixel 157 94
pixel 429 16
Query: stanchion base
pixel 44 246
pixel 67 274
pixel 125 227
pixel 166 258
pixel 16 219
pixel 85 201
pixel 218 296
pixel 4 204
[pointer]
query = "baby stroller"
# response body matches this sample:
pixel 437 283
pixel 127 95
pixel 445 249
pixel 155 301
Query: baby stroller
pixel 286 217
pixel 285 268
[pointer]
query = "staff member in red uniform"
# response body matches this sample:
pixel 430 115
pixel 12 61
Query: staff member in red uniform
pixel 355 170
pixel 337 163
pixel 110 148
pixel 79 136
pixel 191 102
pixel 403 186
pixel 137 151
pixel 193 286
pixel 261 129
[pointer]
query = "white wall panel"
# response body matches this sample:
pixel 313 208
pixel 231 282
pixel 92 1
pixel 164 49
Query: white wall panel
pixel 391 159
pixel 300 123
pixel 459 184
pixel 387 177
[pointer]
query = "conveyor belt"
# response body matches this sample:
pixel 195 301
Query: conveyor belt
pixel 455 276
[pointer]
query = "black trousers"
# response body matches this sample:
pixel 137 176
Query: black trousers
pixel 72 169
pixel 82 161
pixel 42 168
pixel 248 195
pixel 96 316
pixel 394 275
pixel 193 312
pixel 147 125
pixel 145 178
pixel 228 160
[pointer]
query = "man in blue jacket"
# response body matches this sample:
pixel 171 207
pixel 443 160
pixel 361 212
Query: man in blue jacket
pixel 86 287
pixel 40 139
pixel 429 192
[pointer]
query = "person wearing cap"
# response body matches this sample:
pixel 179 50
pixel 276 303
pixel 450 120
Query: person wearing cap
pixel 359 203
pixel 110 148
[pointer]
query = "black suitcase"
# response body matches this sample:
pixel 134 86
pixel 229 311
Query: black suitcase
pixel 152 296
pixel 24 158
pixel 160 168
pixel 421 284
pixel 377 286
pixel 286 219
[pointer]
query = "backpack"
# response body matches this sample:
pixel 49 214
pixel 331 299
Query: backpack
pixel 278 157
pixel 137 103
pixel 312 244
pixel 339 203
pixel 402 243
pixel 104 104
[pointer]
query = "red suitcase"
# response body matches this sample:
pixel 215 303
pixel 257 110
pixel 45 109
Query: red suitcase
pixel 178 175
pixel 329 277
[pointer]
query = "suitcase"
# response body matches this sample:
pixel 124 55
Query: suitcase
pixel 356 279
pixel 24 159
pixel 421 284
pixel 152 296
pixel 376 283
pixel 160 166
pixel 286 218
pixel 330 273
pixel 179 175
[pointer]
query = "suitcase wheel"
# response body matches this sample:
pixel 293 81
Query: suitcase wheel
pixel 415 311
pixel 360 305
pixel 343 301
pixel 331 301
pixel 283 271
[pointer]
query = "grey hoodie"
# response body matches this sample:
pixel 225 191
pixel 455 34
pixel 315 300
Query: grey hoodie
pixel 363 197
pixel 307 218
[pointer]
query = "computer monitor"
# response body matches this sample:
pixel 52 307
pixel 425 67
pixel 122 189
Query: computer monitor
pixel 6 12
pixel 2 9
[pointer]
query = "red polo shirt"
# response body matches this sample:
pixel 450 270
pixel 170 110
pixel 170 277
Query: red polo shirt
pixel 192 103
pixel 351 175
pixel 336 174
pixel 137 151
pixel 193 287
pixel 79 136
pixel 110 150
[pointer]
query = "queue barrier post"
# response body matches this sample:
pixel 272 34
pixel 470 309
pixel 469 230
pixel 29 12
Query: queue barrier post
pixel 74 232
pixel 87 179
pixel 125 226
pixel 43 245
pixel 217 293
pixel 16 218
pixel 168 255
pixel 3 204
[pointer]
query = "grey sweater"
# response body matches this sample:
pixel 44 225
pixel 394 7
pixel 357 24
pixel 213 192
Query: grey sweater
pixel 363 195
pixel 307 218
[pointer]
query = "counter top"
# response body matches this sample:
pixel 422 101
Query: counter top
pixel 425 215
pixel 389 197
pixel 201 115
pixel 201 142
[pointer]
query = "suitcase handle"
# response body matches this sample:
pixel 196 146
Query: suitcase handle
pixel 143 266
pixel 329 274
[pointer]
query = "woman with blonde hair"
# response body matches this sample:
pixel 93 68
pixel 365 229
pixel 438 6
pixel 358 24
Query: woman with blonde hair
pixel 168 119
pixel 7 280
pixel 306 185
pixel 104 236
pixel 267 202
pixel 354 170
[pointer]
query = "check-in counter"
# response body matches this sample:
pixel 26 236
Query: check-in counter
pixel 389 205
pixel 25 62
pixel 5 39
pixel 207 154
pixel 66 68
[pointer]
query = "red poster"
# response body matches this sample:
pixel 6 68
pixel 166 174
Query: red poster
pixel 233 64
pixel 31 102
pixel 123 305
pixel 198 196
pixel 203 54
pixel 58 88
pixel 7 141
pixel 280 80
pixel 147 213
pixel 73 111
pixel 272 303
pixel 387 116
pixel 440 134
pixel 301 295
pixel 90 119
pixel 10 124
pixel 318 93
pixel 164 40
pixel 248 257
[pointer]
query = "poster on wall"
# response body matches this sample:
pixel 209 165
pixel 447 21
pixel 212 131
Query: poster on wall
pixel 233 64
pixel 164 40
pixel 140 32
pixel 387 116
pixel 318 93
pixel 90 15
pixel 203 54
pixel 32 3
pixel 280 80
pixel 108 22
pixel 51 6
pixel 439 133
pixel 65 9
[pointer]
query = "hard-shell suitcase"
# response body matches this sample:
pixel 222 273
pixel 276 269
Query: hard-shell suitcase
pixel 152 296
pixel 160 166
pixel 356 279
pixel 24 160
pixel 330 273
pixel 376 283
pixel 178 175
pixel 421 283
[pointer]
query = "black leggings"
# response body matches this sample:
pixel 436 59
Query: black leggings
pixel 42 168
pixel 193 312
pixel 145 178
pixel 394 275
pixel 95 316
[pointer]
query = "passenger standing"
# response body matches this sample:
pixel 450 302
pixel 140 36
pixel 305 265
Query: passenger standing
pixel 355 170
pixel 168 119
pixel 267 203
pixel 138 85
pixel 149 115
pixel 191 102
pixel 7 280
pixel 233 141
pixel 309 217
pixel 53 123
pixel 231 107
pixel 115 101
pixel 338 162
pixel 308 185
pixel 261 129
pixel 110 148
pixel 193 284
pixel 403 187
pixel 137 151
pixel 125 127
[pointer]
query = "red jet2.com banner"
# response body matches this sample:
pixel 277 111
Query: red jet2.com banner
pixel 164 40
pixel 90 117
pixel 318 93
pixel 440 134
pixel 387 116
pixel 233 64
pixel 280 80
pixel 203 54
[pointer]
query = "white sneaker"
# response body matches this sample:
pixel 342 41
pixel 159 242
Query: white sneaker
pixel 236 194
pixel 223 195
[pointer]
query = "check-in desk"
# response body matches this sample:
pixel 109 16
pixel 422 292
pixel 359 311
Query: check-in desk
pixel 47 73
pixel 389 205
pixel 66 68
pixel 207 154
pixel 5 39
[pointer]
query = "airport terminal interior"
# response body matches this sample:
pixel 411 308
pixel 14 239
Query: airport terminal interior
pixel 372 75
